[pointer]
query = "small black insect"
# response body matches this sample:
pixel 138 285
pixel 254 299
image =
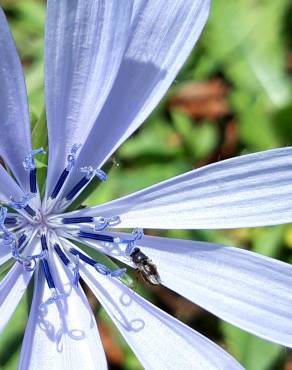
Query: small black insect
pixel 146 267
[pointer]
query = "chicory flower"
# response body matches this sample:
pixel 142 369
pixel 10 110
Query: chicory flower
pixel 107 65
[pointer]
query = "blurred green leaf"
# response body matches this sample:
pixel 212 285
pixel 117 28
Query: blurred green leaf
pixel 199 140
pixel 122 181
pixel 158 140
pixel 252 352
pixel 267 241
pixel 11 338
pixel 246 37
pixel 40 140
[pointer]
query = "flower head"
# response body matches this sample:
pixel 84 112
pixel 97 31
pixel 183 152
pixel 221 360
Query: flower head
pixel 107 65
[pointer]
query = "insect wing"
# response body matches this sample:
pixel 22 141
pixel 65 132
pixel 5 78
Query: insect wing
pixel 149 273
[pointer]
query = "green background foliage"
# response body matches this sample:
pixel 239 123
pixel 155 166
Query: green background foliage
pixel 234 96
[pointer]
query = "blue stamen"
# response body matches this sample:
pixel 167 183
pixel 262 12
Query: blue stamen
pixel 71 158
pixel 9 240
pixel 29 162
pixel 23 203
pixel 100 237
pixel 44 242
pixel 77 188
pixel 47 273
pixel 131 247
pixel 60 183
pixel 55 297
pixel 131 244
pixel 102 269
pixel 33 181
pixel 90 173
pixel 4 220
pixel 49 278
pixel 29 165
pixel 30 211
pixel 83 257
pixel 29 262
pixel 10 221
pixel 102 223
pixel 3 215
pixel 61 254
pixel 21 240
pixel 77 220
pixel 66 261
pixel 75 270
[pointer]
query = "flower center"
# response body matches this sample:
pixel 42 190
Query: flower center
pixel 37 230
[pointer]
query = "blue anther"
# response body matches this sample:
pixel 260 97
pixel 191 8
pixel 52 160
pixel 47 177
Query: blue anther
pixel 77 220
pixel 60 183
pixel 75 190
pixel 83 257
pixel 44 242
pixel 30 211
pixel 100 237
pixel 90 172
pixel 10 221
pixel 28 263
pixel 33 181
pixel 47 272
pixel 9 240
pixel 61 254
pixel 102 269
pixel 102 223
pixel 71 158
pixel 29 162
pixel 21 240
pixel 66 261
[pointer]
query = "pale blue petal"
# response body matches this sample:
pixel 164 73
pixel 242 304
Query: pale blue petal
pixel 246 191
pixel 248 290
pixel 15 142
pixel 5 254
pixel 12 288
pixel 64 336
pixel 8 187
pixel 85 42
pixel 162 36
pixel 158 340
